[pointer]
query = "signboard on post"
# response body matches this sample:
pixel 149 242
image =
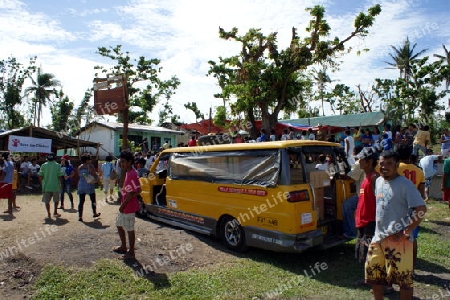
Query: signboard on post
pixel 108 99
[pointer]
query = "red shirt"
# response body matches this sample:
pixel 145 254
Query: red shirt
pixel 366 209
pixel 192 143
pixel 131 184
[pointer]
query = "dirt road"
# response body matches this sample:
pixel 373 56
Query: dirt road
pixel 28 242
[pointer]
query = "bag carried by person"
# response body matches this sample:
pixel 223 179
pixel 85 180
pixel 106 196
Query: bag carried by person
pixel 113 173
pixel 91 179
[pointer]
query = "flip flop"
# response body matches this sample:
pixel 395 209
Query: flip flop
pixel 119 250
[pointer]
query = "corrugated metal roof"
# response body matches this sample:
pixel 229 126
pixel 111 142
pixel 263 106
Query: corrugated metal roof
pixel 354 120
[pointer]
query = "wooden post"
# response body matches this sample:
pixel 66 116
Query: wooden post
pixel 125 115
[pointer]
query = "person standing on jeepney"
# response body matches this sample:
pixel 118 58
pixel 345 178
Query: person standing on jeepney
pixel 321 135
pixel 349 146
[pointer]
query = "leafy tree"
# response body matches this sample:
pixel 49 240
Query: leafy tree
pixel 263 79
pixel 144 86
pixel 446 69
pixel 344 99
pixel 193 106
pixel 416 99
pixel 220 118
pixel 167 113
pixel 12 79
pixel 42 88
pixel 61 112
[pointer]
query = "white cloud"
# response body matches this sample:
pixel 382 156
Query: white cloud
pixel 184 35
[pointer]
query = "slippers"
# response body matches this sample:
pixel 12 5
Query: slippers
pixel 57 215
pixel 8 212
pixel 119 250
pixel 17 208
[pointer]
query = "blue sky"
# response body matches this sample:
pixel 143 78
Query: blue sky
pixel 65 35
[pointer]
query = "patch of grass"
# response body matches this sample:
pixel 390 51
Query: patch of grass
pixel 259 274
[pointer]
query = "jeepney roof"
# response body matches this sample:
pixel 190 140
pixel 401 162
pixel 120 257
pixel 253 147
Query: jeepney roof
pixel 251 146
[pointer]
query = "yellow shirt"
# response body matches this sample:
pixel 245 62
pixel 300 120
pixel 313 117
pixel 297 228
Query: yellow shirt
pixel 413 173
pixel 422 138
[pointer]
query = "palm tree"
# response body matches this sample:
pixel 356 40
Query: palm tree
pixel 447 59
pixel 41 88
pixel 321 77
pixel 404 57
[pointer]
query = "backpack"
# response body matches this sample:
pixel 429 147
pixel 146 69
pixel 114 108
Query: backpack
pixel 113 173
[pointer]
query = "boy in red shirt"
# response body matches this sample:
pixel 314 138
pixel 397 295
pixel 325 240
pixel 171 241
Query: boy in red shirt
pixel 366 209
pixel 129 204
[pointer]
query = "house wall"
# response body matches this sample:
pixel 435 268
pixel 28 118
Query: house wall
pixel 103 135
pixel 110 139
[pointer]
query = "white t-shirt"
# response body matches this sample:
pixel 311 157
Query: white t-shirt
pixel 312 136
pixel 428 166
pixel 34 169
pixel 25 166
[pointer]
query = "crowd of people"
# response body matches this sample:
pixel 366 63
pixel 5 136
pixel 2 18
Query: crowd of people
pixel 393 181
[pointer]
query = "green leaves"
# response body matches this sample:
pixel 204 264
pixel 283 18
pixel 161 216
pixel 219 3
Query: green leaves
pixel 138 71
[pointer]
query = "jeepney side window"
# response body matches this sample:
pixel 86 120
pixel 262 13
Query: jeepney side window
pixel 296 167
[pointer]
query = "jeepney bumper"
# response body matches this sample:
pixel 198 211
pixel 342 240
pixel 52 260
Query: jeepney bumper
pixel 281 242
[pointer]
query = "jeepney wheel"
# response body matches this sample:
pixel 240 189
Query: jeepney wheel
pixel 232 234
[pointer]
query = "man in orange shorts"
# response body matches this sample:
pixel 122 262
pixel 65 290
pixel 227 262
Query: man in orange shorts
pixel 400 209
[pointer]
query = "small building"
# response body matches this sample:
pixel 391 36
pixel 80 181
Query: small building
pixel 143 136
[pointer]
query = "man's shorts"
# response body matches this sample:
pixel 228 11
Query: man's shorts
pixel 446 194
pixel 428 182
pixel 390 262
pixel 47 196
pixel 126 221
pixel 5 190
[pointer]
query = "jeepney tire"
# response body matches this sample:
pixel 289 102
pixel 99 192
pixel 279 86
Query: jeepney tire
pixel 232 234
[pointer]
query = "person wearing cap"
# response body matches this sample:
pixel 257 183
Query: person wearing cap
pixel 49 174
pixel 349 205
pixel 399 210
pixel 66 180
pixel 6 179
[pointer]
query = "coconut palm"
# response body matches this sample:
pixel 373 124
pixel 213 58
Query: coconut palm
pixel 404 57
pixel 42 88
pixel 321 77
pixel 445 58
